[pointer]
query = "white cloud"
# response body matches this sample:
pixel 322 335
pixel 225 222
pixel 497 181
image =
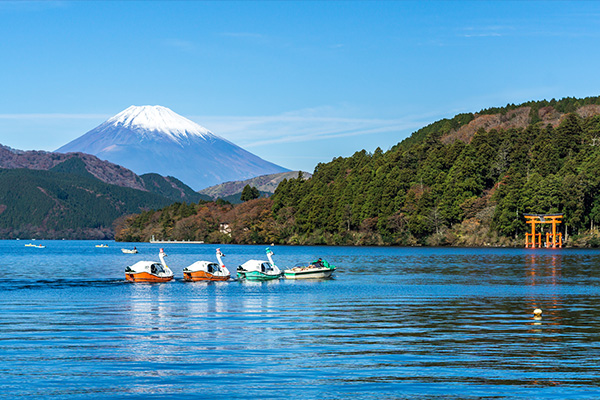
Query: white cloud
pixel 302 126
pixel 297 140
pixel 486 31
pixel 485 34
pixel 308 125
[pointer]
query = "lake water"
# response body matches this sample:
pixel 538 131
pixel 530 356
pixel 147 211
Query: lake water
pixel 394 323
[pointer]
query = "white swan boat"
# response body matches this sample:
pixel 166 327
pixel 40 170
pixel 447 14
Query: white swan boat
pixel 149 271
pixel 259 270
pixel 207 271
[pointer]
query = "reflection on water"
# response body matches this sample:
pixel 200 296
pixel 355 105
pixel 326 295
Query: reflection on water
pixel 544 268
pixel 393 323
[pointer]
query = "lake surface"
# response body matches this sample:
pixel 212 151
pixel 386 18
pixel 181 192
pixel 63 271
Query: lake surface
pixel 394 323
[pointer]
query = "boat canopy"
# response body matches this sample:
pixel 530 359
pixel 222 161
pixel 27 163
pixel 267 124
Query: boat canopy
pixel 207 266
pixel 257 265
pixel 146 266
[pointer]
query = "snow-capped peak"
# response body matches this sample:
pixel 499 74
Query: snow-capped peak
pixel 158 119
pixel 155 139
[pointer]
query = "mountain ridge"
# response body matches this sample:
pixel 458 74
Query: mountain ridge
pixel 266 184
pixel 549 111
pixel 518 118
pixel 105 171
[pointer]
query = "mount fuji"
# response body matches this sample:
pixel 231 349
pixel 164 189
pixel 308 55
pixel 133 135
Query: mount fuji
pixel 155 139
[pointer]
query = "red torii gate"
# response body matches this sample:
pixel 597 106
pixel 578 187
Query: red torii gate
pixel 553 240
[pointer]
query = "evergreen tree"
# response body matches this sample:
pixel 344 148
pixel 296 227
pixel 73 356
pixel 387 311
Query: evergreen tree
pixel 250 193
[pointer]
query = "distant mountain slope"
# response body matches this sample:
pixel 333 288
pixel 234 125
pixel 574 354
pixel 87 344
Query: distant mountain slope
pixel 266 184
pixel 237 197
pixel 518 118
pixel 105 171
pixel 154 139
pixel 73 165
pixel 89 165
pixel 171 188
pixel 54 204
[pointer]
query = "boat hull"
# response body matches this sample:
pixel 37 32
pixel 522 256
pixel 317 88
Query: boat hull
pixel 203 276
pixel 146 277
pixel 256 276
pixel 309 273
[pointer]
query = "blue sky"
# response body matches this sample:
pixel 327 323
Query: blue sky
pixel 296 83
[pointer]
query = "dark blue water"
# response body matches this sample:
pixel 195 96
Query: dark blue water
pixel 395 323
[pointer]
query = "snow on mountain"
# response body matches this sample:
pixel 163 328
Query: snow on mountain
pixel 155 139
pixel 157 119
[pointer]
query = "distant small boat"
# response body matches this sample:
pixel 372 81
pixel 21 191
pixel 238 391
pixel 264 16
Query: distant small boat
pixel 101 245
pixel 39 246
pixel 149 271
pixel 130 251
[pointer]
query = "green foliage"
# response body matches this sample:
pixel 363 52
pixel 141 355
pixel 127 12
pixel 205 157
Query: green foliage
pixel 237 198
pixel 564 106
pixel 437 129
pixel 73 165
pixel 222 202
pixel 249 193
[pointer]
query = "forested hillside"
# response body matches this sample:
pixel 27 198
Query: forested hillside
pixel 74 205
pixel 461 181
